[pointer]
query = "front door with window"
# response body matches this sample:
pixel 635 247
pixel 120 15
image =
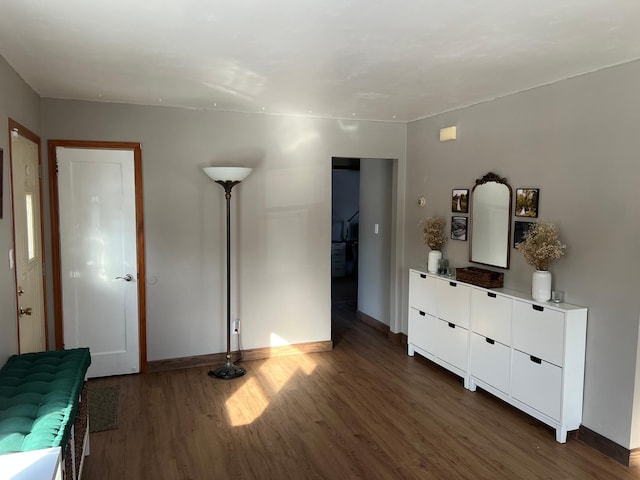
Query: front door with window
pixel 26 188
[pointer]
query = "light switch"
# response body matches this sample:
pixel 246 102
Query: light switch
pixel 375 229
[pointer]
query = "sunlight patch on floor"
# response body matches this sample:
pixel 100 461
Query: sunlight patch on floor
pixel 252 398
pixel 279 373
pixel 247 403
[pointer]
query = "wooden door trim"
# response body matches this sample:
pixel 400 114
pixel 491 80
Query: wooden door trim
pixel 29 135
pixel 55 235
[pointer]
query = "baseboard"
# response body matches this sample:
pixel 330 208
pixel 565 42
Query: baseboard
pixel 628 458
pixel 295 349
pixel 397 338
pixel 188 362
pixel 372 322
pixel 252 354
pixel 634 458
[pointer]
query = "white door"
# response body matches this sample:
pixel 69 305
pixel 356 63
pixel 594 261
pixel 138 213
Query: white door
pixel 98 256
pixel 25 182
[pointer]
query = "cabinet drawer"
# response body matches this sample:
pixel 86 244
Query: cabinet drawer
pixel 451 343
pixel 490 362
pixel 338 248
pixel 454 302
pixel 423 292
pixel 421 329
pixel 537 384
pixel 491 315
pixel 538 331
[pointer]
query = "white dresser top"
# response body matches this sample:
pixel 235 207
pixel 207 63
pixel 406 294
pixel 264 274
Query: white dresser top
pixel 518 295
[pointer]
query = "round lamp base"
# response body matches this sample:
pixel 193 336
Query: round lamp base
pixel 228 372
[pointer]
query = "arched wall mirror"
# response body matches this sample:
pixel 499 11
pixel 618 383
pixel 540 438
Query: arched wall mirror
pixel 490 221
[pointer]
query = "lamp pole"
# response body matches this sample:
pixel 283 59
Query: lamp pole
pixel 227 178
pixel 229 370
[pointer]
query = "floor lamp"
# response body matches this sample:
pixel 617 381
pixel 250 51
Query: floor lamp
pixel 228 177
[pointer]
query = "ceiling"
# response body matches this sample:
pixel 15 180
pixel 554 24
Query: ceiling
pixel 383 60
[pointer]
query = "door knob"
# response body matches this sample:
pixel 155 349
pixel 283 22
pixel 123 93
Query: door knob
pixel 25 311
pixel 127 278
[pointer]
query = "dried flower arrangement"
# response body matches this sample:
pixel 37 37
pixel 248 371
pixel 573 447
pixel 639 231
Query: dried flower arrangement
pixel 433 229
pixel 541 246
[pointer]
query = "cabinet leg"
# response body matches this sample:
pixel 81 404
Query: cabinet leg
pixel 410 351
pixel 561 435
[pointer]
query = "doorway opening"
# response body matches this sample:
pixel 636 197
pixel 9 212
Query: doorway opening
pixel 364 240
pixel 345 222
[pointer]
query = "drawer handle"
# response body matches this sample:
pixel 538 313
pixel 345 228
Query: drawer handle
pixel 422 314
pixel 535 359
pixel 453 284
pixel 422 275
pixel 491 294
pixel 538 308
pixel 489 341
pixel 452 325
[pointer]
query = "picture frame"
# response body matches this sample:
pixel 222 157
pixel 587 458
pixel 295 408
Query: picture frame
pixel 519 229
pixel 527 202
pixel 459 228
pixel 460 200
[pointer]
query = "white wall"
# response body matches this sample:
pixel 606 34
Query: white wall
pixel 282 216
pixel 576 140
pixel 374 267
pixel 22 104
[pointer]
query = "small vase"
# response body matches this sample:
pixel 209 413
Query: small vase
pixel 434 259
pixel 541 285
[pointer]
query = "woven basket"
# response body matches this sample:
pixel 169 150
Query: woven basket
pixel 480 277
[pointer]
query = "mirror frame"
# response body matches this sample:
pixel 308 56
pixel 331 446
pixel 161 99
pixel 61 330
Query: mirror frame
pixel 492 177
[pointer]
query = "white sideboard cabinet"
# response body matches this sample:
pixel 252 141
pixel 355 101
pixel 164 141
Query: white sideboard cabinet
pixel 527 353
pixel 439 321
pixel 338 259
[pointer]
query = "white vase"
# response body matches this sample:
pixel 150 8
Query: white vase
pixel 541 286
pixel 434 258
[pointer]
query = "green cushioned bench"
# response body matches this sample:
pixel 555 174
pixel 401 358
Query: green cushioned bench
pixel 40 399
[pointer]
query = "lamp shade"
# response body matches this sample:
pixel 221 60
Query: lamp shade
pixel 228 174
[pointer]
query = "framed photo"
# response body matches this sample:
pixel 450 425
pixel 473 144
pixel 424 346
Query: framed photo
pixel 520 228
pixel 459 228
pixel 527 202
pixel 460 200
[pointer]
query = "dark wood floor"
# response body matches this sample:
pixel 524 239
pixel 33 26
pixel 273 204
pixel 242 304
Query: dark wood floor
pixel 362 411
pixel 344 289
